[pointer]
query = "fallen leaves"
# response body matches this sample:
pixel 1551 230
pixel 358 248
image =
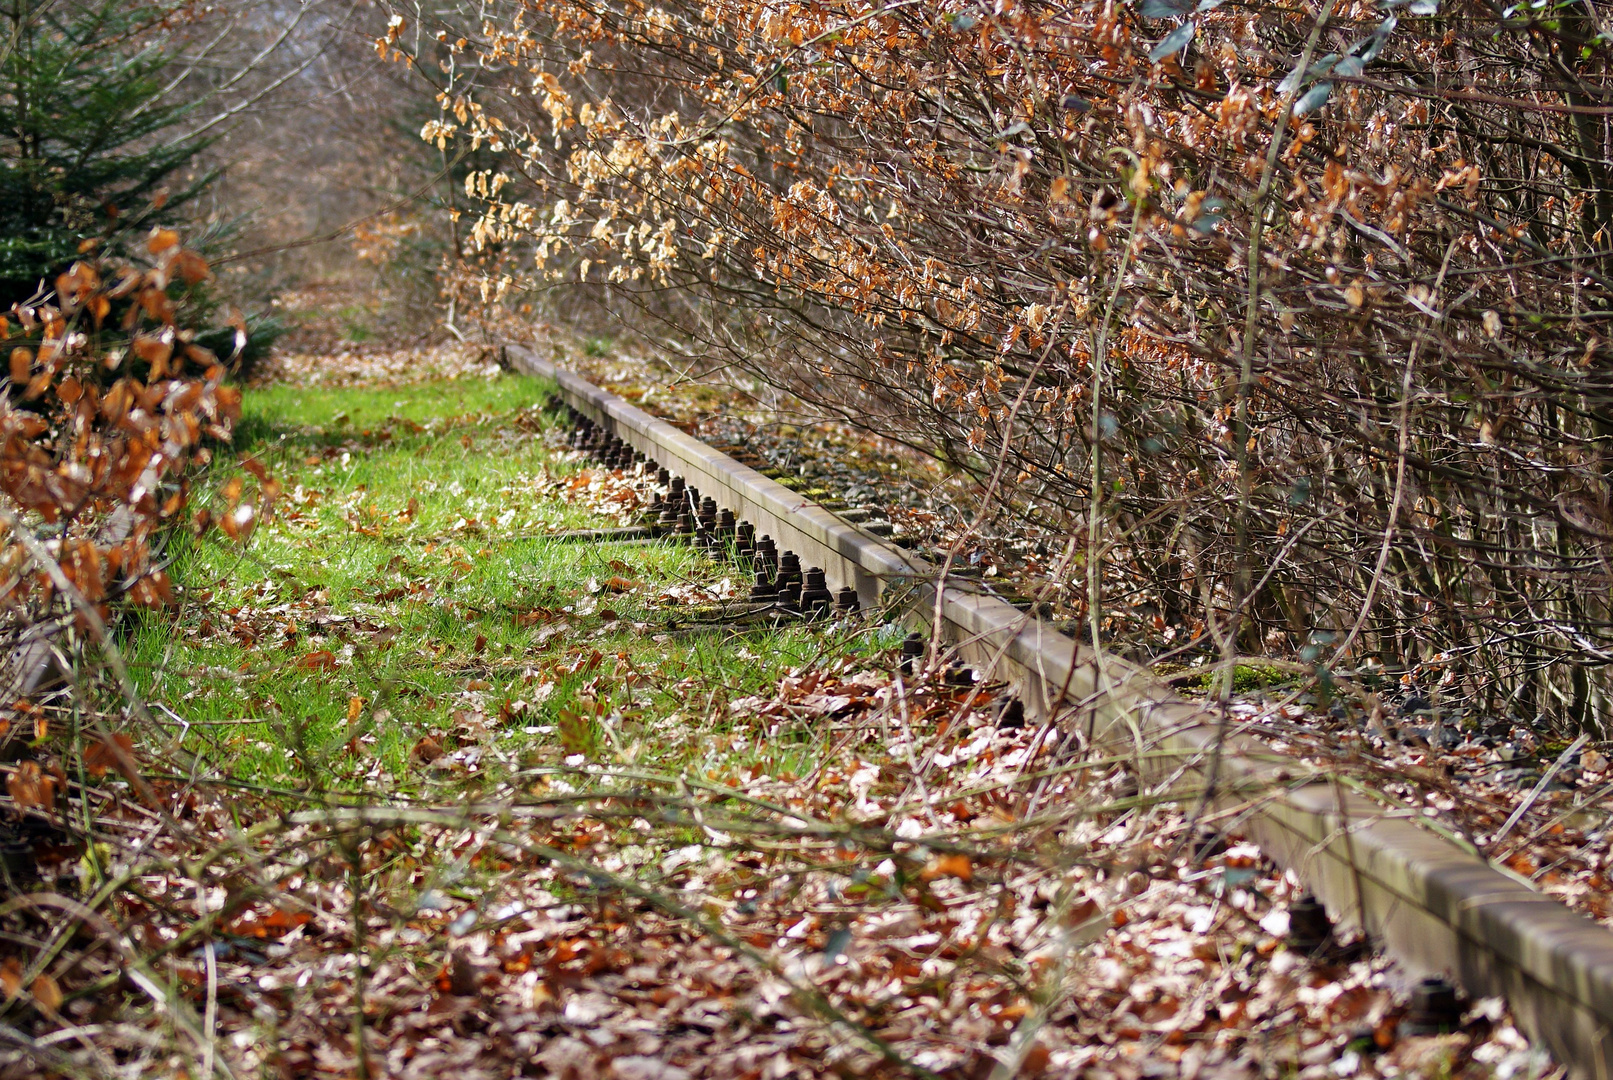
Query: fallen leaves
pixel 320 660
pixel 954 866
pixel 616 921
pixel 350 365
pixel 114 753
pixel 1468 782
pixel 841 856
pixel 533 617
pixel 30 786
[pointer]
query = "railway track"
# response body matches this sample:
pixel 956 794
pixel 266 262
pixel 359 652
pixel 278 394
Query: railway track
pixel 1436 905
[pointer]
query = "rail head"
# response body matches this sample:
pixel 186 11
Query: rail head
pixel 1435 905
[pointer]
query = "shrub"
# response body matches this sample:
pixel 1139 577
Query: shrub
pixel 1294 315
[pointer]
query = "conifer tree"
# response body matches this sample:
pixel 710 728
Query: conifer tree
pixel 89 144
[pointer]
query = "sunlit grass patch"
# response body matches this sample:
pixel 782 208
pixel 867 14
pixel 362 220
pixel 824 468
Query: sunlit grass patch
pixel 337 413
pixel 407 601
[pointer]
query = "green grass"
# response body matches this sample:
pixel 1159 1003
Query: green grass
pixel 407 590
pixel 1246 678
pixel 333 414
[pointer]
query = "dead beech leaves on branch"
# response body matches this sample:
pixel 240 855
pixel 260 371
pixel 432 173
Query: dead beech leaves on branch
pixel 877 207
pixel 114 402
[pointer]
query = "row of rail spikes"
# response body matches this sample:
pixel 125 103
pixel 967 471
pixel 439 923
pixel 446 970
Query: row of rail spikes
pixel 678 512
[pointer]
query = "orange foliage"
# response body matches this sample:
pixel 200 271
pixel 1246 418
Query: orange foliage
pixel 111 406
pixel 1308 302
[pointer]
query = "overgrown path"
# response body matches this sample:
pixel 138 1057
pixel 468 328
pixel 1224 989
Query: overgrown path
pixel 451 795
pixel 406 596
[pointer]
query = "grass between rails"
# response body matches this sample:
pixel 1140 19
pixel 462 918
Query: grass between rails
pixel 406 593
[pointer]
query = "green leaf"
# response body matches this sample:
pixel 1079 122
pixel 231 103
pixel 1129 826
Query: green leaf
pixel 1315 71
pixel 1174 42
pixel 1313 99
pixel 1212 212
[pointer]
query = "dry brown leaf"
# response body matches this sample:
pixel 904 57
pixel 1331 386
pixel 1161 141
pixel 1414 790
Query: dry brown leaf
pixel 102 756
pixel 11 976
pixel 191 267
pixel 47 993
pixel 277 922
pixel 161 240
pixel 323 660
pixel 29 786
pixel 956 866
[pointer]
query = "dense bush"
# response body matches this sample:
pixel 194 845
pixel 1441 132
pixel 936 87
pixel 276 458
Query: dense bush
pixel 1292 315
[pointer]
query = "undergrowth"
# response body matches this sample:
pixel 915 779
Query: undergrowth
pixel 430 790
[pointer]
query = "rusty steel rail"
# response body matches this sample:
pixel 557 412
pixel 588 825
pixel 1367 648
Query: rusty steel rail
pixel 1434 904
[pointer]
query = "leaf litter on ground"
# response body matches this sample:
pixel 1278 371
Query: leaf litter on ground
pixel 1465 775
pixel 597 848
